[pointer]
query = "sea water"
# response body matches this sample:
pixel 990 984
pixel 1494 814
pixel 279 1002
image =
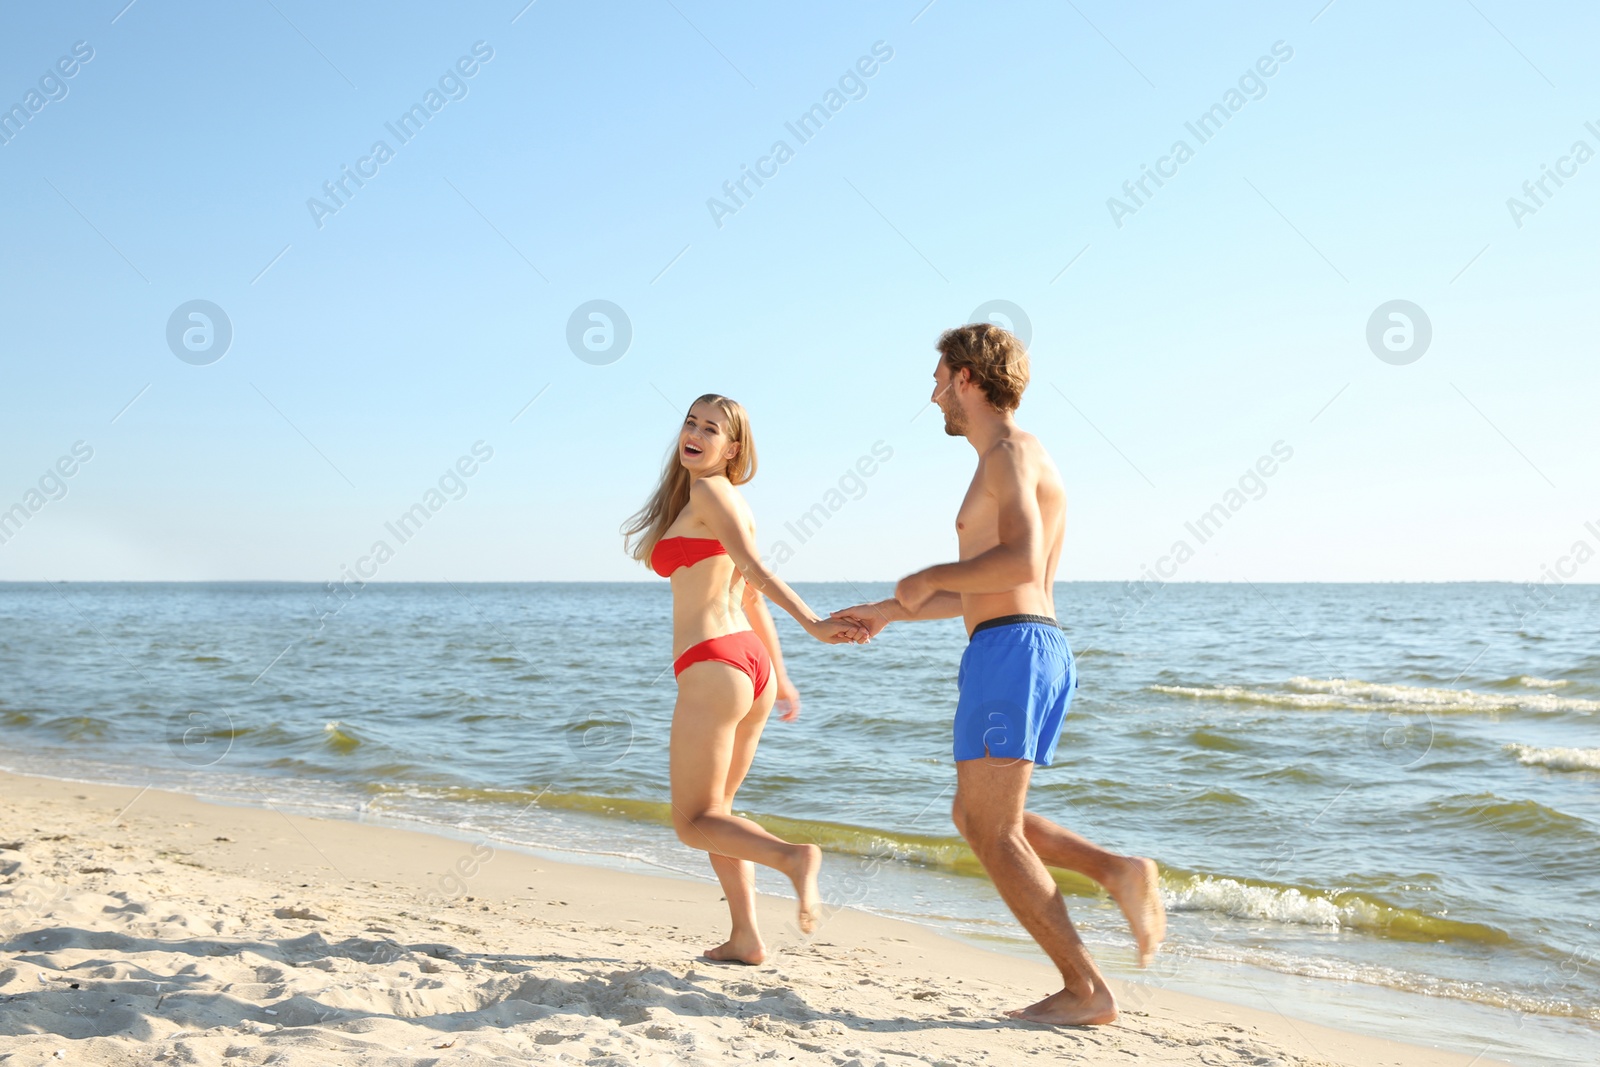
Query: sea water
pixel 1376 806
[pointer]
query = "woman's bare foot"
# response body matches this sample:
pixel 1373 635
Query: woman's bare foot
pixel 1069 1009
pixel 1137 892
pixel 804 877
pixel 739 949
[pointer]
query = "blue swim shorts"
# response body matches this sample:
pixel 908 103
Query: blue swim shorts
pixel 1016 682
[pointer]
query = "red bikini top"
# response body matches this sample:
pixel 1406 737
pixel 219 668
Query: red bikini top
pixel 671 553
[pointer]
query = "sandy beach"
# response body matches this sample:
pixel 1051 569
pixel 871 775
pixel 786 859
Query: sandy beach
pixel 150 927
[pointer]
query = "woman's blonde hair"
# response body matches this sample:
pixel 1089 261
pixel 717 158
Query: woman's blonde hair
pixel 645 527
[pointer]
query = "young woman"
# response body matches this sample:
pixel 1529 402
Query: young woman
pixel 698 531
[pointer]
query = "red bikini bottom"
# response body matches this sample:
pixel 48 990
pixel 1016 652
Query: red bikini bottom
pixel 742 651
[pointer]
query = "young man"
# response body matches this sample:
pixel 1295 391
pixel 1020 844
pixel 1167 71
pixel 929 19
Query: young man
pixel 1017 674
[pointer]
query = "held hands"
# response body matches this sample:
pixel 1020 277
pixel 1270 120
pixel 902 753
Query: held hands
pixel 871 616
pixel 833 631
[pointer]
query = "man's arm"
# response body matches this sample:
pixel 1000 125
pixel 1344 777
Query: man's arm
pixel 880 613
pixel 1017 559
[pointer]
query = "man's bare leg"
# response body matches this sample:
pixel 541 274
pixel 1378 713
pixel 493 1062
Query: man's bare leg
pixel 991 794
pixel 1132 881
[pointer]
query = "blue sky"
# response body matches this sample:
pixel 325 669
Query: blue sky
pixel 1225 314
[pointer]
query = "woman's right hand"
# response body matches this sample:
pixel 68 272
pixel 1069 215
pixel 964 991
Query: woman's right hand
pixel 838 631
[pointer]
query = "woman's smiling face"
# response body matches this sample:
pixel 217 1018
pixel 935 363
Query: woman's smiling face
pixel 704 446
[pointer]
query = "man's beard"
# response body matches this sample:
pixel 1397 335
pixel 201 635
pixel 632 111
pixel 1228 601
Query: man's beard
pixel 955 423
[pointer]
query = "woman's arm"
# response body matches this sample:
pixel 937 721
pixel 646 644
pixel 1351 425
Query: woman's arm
pixel 755 609
pixel 716 501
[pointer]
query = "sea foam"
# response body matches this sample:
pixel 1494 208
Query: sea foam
pixel 1339 910
pixel 1557 759
pixel 1530 682
pixel 1241 901
pixel 1357 695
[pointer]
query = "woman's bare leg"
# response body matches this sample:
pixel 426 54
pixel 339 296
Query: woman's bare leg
pixel 738 877
pixel 744 944
pixel 715 728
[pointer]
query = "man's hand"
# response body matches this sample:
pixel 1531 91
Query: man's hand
pixel 872 616
pixel 914 590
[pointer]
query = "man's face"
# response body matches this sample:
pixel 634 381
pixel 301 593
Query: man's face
pixel 944 394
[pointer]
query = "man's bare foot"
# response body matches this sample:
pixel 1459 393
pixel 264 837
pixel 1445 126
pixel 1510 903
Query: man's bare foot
pixel 747 950
pixel 1069 1009
pixel 1138 893
pixel 804 877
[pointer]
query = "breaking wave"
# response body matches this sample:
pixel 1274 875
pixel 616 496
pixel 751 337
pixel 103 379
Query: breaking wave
pixel 1350 694
pixel 1557 759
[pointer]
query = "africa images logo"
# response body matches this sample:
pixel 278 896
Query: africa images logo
pixel 1399 332
pixel 199 332
pixel 599 332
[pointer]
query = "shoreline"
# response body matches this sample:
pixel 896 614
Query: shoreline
pixel 215 925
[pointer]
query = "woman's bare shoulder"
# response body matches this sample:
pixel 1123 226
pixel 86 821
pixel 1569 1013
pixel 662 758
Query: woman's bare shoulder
pixel 712 498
